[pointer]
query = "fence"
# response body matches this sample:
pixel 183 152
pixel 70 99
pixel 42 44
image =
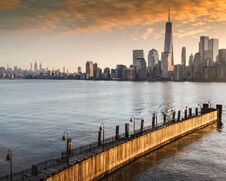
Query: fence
pixel 61 161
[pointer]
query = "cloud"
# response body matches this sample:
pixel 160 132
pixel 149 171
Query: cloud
pixel 147 33
pixel 9 4
pixel 68 17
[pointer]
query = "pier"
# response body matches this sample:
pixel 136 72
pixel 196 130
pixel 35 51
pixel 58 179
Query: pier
pixel 98 159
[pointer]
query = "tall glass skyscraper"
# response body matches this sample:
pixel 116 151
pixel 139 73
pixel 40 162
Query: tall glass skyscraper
pixel 167 55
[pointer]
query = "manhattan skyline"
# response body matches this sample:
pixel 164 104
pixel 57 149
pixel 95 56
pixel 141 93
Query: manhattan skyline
pixel 69 33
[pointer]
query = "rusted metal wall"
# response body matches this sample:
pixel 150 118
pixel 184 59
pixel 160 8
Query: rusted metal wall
pixel 105 162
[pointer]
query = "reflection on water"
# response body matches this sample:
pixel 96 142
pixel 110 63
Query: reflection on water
pixel 35 113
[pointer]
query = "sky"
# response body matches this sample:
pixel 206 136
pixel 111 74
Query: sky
pixel 68 33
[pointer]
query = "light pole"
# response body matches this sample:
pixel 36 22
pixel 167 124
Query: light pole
pixel 69 144
pixel 102 125
pixel 10 159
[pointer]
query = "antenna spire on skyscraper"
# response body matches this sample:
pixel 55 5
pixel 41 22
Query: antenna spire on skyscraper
pixel 169 15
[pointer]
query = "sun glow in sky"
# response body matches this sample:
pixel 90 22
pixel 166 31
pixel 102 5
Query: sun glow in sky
pixel 69 32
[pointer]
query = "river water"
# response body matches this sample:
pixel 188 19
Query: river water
pixel 34 114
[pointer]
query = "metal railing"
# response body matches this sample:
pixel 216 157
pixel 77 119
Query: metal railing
pixel 60 161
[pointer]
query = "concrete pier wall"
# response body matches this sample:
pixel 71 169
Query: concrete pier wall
pixel 113 158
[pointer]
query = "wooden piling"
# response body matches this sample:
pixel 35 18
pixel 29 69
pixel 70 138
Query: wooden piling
pixel 99 136
pixel 142 125
pixel 117 133
pixel 178 116
pixel 127 130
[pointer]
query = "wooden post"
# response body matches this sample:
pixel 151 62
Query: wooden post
pixel 174 115
pixel 190 112
pixel 99 136
pixel 164 118
pixel 185 114
pixel 142 125
pixel 178 116
pixel 156 120
pixel 127 130
pixel 196 111
pixel 219 112
pixel 153 120
pixel 117 133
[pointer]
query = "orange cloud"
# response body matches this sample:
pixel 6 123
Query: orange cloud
pixel 67 17
pixel 9 4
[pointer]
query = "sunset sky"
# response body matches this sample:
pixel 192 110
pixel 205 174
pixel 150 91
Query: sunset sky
pixel 69 32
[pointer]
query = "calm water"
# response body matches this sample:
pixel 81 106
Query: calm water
pixel 35 113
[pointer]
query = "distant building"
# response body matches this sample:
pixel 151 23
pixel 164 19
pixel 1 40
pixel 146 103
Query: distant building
pixel 167 61
pixel 153 59
pixel 40 67
pixel 137 54
pixel 179 72
pixel 35 67
pixel 113 74
pixel 98 73
pixel 107 74
pixel 95 68
pixel 208 49
pixel 89 70
pixel 79 70
pixel 131 73
pixel 191 58
pixel 119 71
pixel 140 68
pixel 183 62
pixel 222 57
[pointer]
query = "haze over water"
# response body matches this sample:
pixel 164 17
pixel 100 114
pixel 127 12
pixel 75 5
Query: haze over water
pixel 35 113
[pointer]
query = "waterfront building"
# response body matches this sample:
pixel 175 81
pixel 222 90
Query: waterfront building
pixel 213 48
pixel 79 70
pixel 35 67
pixel 98 73
pixel 153 59
pixel 113 74
pixel 89 70
pixel 179 72
pixel 183 61
pixel 119 71
pixel 95 67
pixel 167 55
pixel 131 73
pixel 191 59
pixel 40 67
pixel 124 73
pixel 106 74
pixel 137 54
pixel 222 57
pixel 31 67
pixel 140 68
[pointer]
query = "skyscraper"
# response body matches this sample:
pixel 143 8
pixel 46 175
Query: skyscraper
pixel 35 67
pixel 183 62
pixel 208 49
pixel 167 55
pixel 191 58
pixel 89 70
pixel 183 56
pixel 137 54
pixel 153 58
pixel 40 67
pixel 213 48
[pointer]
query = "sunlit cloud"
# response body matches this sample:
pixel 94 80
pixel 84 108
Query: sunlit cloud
pixel 68 17
pixel 9 4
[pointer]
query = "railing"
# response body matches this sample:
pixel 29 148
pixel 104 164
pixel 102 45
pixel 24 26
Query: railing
pixel 61 161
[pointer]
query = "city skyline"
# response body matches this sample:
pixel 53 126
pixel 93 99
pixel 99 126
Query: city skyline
pixel 48 32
